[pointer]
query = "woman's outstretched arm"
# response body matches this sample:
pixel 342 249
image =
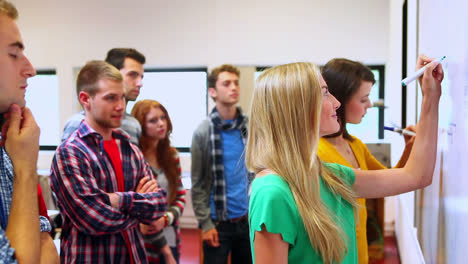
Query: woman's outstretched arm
pixel 419 169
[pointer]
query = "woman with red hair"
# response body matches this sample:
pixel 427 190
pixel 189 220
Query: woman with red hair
pixel 162 237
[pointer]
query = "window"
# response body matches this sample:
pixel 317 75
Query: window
pixel 42 97
pixel 183 92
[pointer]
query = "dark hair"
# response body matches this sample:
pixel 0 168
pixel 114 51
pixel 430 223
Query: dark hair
pixel 344 78
pixel 116 56
pixel 165 154
pixel 92 73
pixel 213 76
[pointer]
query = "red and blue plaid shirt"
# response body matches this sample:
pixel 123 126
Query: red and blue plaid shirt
pixel 81 176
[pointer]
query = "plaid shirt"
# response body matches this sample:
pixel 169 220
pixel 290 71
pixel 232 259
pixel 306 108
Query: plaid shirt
pixel 129 125
pixel 6 192
pixel 6 252
pixel 81 176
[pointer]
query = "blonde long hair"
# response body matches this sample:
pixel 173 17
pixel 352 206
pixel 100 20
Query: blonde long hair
pixel 283 137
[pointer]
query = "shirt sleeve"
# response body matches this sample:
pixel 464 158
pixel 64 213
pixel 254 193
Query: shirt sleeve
pixel 157 240
pixel 71 125
pixel 146 207
pixel 6 251
pixel 201 186
pixel 88 207
pixel 271 207
pixel 176 208
pixel 45 224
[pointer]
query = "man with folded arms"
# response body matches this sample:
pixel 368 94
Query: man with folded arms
pixel 103 184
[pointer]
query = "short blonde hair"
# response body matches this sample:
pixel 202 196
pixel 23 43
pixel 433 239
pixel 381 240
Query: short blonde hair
pixel 8 9
pixel 92 73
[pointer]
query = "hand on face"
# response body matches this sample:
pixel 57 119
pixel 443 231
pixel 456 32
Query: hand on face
pixel 20 134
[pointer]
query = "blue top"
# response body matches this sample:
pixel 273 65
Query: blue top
pixel 235 173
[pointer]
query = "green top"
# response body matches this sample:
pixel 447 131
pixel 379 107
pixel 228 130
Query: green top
pixel 272 204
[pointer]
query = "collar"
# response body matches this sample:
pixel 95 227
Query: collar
pixel 85 130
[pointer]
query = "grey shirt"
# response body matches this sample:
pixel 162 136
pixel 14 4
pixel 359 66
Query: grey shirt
pixel 129 125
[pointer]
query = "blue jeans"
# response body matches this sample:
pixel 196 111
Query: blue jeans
pixel 234 238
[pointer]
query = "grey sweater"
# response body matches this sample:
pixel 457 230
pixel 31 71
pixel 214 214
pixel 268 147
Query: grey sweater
pixel 201 175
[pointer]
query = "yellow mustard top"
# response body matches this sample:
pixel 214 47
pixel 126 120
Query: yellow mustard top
pixel 328 153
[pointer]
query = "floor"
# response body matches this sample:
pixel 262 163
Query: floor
pixel 191 248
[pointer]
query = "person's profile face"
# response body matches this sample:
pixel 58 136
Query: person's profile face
pixel 358 103
pixel 328 117
pixel 132 72
pixel 15 67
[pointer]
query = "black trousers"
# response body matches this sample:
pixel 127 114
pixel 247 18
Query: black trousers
pixel 234 238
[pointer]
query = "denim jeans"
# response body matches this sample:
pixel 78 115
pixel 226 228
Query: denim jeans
pixel 234 238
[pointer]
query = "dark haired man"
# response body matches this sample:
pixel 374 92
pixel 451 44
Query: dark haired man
pixel 220 179
pixel 130 64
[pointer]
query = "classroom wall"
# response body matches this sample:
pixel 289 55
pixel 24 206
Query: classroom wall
pixel 64 34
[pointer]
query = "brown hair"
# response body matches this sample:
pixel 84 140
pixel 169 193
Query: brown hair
pixel 92 73
pixel 213 76
pixel 165 154
pixel 344 78
pixel 8 9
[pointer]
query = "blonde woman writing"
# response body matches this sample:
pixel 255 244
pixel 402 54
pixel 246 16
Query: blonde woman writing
pixel 302 210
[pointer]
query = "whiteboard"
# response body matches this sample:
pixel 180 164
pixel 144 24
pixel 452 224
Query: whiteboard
pixel 442 210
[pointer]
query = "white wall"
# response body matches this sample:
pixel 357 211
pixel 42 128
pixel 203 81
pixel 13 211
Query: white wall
pixel 64 34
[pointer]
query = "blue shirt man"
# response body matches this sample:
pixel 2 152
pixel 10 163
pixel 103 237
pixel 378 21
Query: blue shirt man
pixel 220 180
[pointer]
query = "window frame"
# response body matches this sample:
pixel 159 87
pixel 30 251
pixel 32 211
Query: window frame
pixel 48 71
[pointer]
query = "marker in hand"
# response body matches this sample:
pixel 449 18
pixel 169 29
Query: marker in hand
pixel 418 73
pixel 401 131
